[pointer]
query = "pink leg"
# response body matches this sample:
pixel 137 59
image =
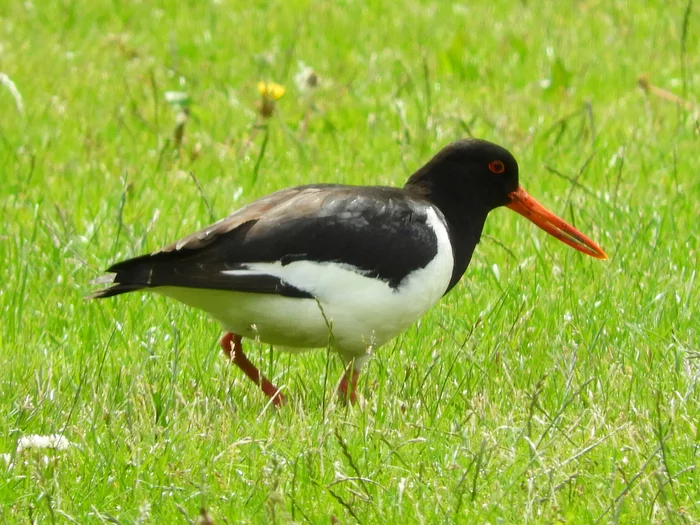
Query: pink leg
pixel 231 344
pixel 347 389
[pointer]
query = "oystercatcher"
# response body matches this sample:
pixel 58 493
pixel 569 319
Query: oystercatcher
pixel 345 267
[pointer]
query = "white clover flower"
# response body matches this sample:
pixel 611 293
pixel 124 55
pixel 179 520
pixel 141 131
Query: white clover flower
pixel 36 441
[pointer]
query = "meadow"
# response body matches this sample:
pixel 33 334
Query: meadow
pixel 547 387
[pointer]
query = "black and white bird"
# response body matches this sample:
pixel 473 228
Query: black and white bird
pixel 346 267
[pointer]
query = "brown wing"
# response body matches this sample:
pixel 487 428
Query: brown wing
pixel 305 198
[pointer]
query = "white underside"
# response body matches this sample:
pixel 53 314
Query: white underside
pixel 352 314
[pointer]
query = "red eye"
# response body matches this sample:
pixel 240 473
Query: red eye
pixel 496 166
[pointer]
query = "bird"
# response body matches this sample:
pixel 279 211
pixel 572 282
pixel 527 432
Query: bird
pixel 339 266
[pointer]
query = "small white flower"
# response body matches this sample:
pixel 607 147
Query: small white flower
pixel 35 441
pixel 306 79
pixel 568 317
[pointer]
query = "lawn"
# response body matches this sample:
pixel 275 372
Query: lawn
pixel 546 387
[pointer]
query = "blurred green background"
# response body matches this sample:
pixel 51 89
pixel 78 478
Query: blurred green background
pixel 547 387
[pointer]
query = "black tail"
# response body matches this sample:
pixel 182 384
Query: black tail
pixel 205 267
pixel 182 269
pixel 129 276
pixel 117 289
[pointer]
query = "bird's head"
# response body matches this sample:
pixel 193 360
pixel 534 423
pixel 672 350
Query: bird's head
pixel 475 176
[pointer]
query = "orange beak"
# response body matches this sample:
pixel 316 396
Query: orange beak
pixel 553 225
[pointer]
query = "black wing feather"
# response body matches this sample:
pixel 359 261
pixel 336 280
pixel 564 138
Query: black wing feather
pixel 383 232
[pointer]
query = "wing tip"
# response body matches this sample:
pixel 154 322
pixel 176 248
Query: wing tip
pixel 117 289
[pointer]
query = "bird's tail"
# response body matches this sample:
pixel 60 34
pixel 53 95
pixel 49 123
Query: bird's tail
pixel 126 276
pixel 116 289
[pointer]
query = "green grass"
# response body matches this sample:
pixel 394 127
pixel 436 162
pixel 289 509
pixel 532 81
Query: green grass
pixel 556 389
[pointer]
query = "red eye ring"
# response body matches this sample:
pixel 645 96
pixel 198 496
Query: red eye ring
pixel 496 166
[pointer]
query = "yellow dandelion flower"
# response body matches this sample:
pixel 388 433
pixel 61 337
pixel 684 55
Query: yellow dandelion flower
pixel 270 93
pixel 271 90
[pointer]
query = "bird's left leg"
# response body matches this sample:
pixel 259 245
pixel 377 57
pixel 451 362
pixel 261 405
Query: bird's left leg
pixel 347 388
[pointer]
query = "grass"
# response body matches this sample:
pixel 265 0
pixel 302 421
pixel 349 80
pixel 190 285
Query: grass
pixel 547 387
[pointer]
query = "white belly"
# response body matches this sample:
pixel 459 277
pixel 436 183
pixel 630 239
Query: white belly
pixel 352 312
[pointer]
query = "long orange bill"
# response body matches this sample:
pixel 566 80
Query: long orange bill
pixel 528 207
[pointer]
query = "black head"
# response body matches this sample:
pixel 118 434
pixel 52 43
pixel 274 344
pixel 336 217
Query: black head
pixel 471 174
pixel 468 179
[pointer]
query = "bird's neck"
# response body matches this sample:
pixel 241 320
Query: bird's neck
pixel 465 233
pixel 464 217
